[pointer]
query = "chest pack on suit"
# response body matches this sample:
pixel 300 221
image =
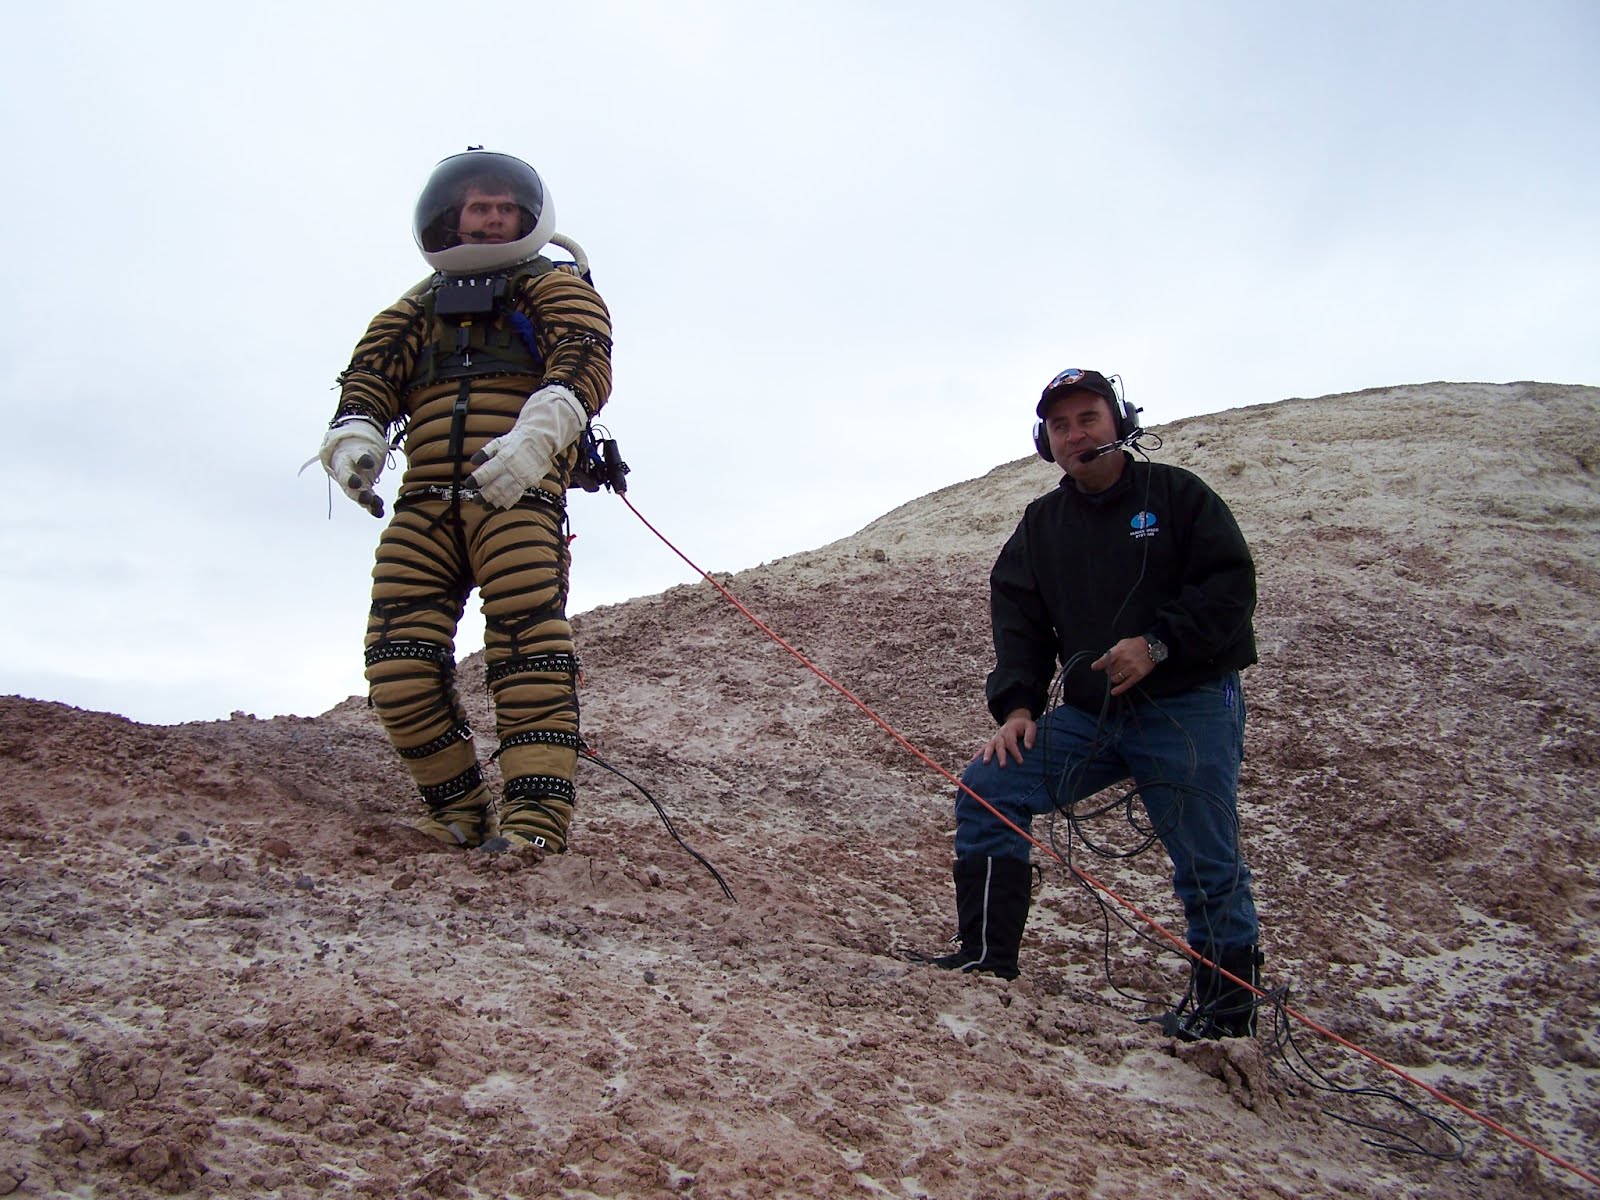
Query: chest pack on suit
pixel 462 312
pixel 476 332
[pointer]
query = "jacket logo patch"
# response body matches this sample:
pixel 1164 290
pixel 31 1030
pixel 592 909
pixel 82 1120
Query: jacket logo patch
pixel 1144 525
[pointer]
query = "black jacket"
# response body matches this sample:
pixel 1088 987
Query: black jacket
pixel 1158 552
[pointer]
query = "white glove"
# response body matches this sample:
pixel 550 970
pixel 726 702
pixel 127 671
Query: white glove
pixel 353 454
pixel 550 421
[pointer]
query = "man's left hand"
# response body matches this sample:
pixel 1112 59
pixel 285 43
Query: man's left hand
pixel 1125 664
pixel 551 419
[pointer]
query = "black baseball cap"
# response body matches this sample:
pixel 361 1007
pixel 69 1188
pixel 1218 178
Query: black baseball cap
pixel 1075 378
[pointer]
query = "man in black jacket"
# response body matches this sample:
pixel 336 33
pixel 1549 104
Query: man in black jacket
pixel 1135 577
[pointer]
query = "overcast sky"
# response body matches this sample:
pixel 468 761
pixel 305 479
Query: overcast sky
pixel 844 245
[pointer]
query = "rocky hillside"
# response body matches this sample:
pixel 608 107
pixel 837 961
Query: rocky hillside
pixel 231 971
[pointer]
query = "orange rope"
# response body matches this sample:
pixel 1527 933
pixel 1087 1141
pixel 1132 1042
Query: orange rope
pixel 1160 929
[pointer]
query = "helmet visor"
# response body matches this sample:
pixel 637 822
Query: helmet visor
pixel 466 200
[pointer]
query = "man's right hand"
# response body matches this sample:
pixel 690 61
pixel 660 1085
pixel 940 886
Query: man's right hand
pixel 1016 733
pixel 353 455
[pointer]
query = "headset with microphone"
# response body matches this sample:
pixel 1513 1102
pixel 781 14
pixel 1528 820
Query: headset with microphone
pixel 1124 414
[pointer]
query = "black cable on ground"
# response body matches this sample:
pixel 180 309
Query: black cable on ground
pixel 591 756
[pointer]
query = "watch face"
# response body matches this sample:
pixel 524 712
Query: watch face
pixel 1158 650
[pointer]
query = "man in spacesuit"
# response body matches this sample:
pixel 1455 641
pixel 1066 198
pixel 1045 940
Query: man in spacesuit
pixel 486 375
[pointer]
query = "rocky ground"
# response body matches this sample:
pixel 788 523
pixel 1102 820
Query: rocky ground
pixel 229 970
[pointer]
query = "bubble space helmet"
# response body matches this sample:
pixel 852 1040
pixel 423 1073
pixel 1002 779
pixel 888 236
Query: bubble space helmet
pixel 437 223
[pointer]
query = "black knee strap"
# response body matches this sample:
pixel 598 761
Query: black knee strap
pixel 539 737
pixel 406 648
pixel 530 664
pixel 530 787
pixel 461 733
pixel 442 795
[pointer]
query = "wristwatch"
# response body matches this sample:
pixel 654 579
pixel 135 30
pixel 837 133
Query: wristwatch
pixel 1157 649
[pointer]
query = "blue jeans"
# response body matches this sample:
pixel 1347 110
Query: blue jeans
pixel 1183 753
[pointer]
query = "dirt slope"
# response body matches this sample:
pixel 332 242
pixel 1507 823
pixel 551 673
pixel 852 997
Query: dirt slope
pixel 229 971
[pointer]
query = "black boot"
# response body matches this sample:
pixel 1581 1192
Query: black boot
pixel 1215 1006
pixel 992 897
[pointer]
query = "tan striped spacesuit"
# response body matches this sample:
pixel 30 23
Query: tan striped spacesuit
pixel 453 383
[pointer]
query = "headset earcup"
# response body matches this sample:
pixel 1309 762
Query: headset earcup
pixel 1041 442
pixel 1127 420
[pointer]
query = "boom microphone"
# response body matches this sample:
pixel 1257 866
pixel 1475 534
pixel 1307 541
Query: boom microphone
pixel 1088 456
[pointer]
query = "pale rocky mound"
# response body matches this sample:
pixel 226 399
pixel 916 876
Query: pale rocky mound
pixel 228 971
